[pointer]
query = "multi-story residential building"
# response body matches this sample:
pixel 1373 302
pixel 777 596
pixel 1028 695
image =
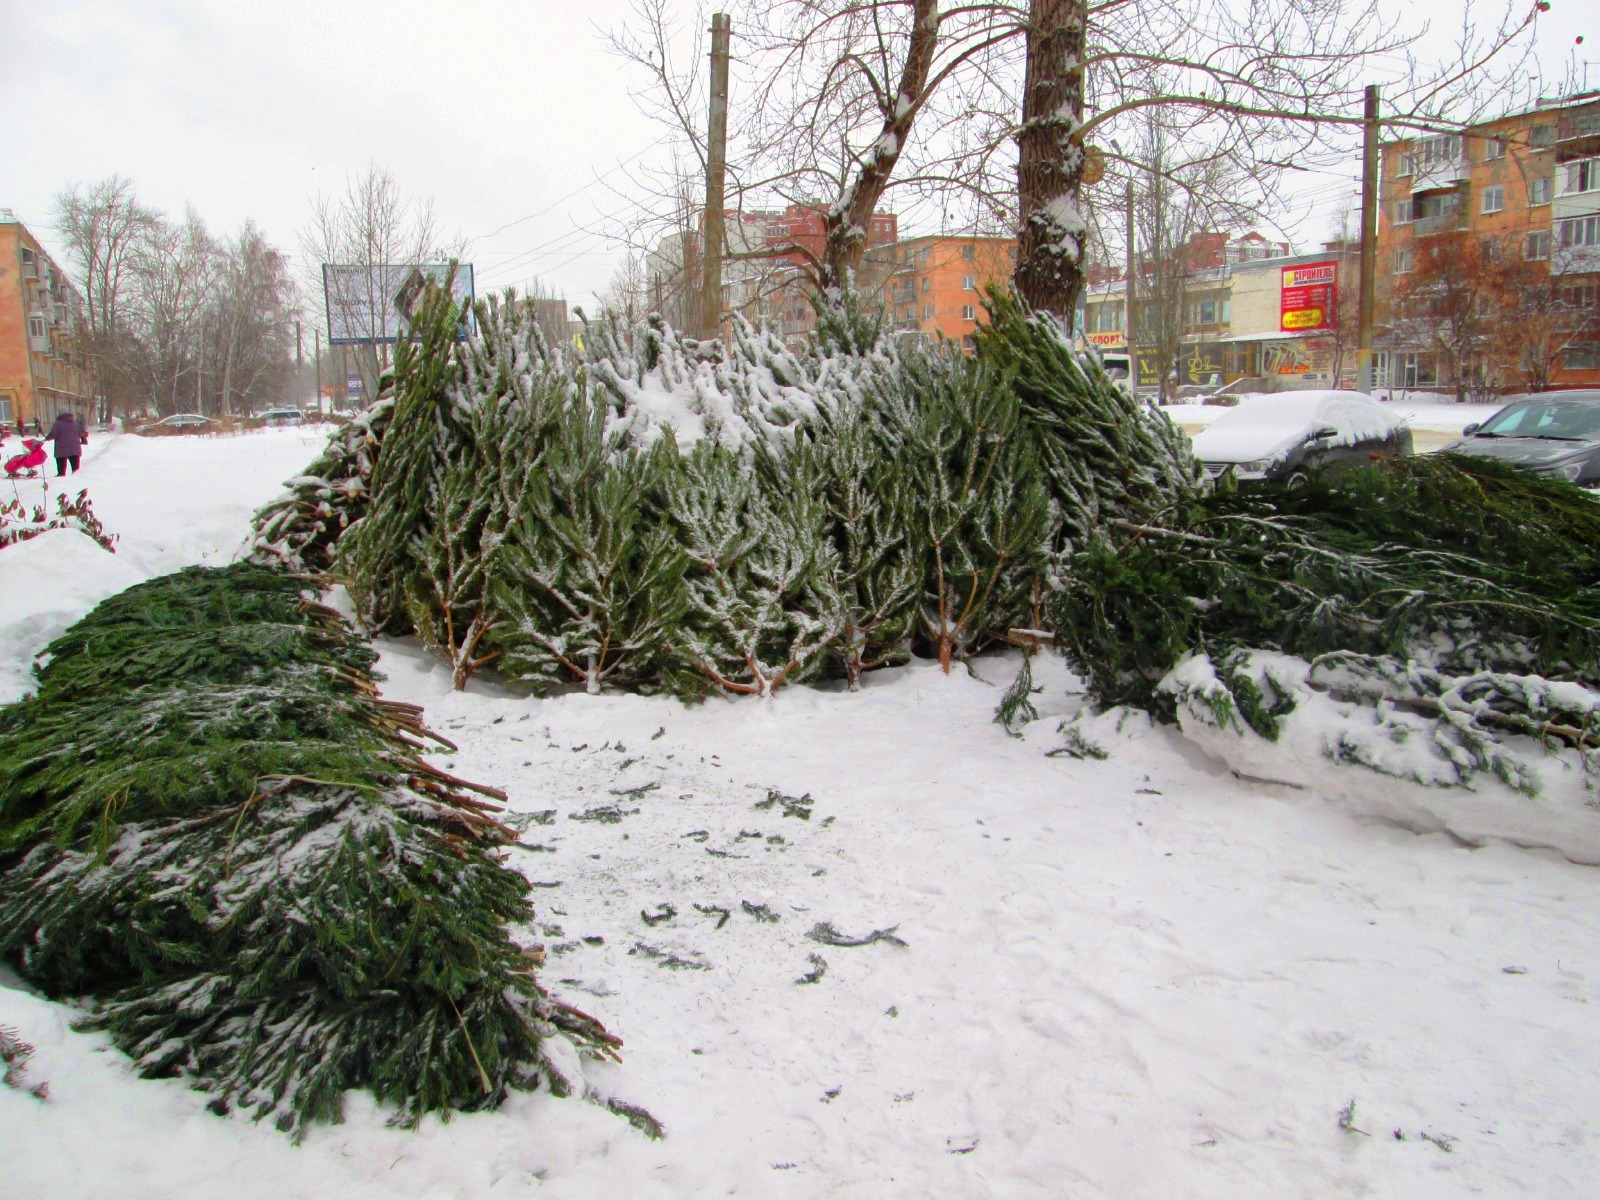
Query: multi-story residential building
pixel 933 285
pixel 1517 197
pixel 1213 313
pixel 43 370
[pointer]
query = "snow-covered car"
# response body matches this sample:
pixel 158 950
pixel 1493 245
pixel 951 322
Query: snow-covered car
pixel 281 416
pixel 181 423
pixel 1556 434
pixel 1287 437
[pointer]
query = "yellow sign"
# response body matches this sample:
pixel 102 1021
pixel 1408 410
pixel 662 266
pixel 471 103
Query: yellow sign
pixel 1304 318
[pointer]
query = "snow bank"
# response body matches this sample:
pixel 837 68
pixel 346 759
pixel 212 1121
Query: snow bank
pixel 173 502
pixel 1384 765
pixel 46 584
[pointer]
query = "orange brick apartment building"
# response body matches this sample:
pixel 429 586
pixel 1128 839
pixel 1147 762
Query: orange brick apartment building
pixel 935 284
pixel 1526 186
pixel 42 364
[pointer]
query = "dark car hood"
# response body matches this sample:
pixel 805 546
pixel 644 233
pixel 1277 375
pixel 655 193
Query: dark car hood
pixel 1531 452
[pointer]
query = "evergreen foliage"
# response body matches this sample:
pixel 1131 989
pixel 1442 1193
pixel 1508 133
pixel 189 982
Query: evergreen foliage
pixel 210 824
pixel 1461 564
pixel 654 511
pixel 858 446
pixel 981 518
pixel 378 553
pixel 761 592
pixel 589 588
pixel 1105 455
pixel 298 530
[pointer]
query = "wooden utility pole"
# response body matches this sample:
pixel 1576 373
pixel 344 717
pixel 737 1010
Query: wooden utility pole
pixel 1132 294
pixel 316 353
pixel 1369 241
pixel 716 166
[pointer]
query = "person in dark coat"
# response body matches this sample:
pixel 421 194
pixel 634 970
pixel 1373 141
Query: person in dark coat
pixel 69 447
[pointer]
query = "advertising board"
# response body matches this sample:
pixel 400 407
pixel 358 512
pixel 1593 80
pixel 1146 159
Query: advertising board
pixel 1309 297
pixel 370 305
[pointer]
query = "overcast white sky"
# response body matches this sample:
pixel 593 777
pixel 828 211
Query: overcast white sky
pixel 505 112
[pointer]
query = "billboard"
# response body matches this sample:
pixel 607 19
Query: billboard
pixel 369 305
pixel 1309 297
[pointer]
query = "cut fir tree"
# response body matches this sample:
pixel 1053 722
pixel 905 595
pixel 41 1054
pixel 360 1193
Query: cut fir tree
pixel 235 851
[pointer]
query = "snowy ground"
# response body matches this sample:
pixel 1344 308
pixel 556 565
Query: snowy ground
pixel 1142 977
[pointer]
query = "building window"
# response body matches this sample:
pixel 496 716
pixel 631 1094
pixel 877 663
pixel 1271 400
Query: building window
pixel 1402 213
pixel 1226 316
pixel 1413 370
pixel 1582 356
pixel 1539 191
pixel 1406 165
pixel 923 254
pixel 927 312
pixel 36 327
pixel 969 312
pixel 1402 260
pixel 1432 151
pixel 1579 231
pixel 1581 296
pixel 1583 176
pixel 1542 135
pixel 969 252
pixel 927 284
pixel 969 343
pixel 1494 199
pixel 1494 148
pixel 1536 246
pixel 968 283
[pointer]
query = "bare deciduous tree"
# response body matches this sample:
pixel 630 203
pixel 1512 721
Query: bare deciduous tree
pixel 987 110
pixel 372 227
pixel 103 225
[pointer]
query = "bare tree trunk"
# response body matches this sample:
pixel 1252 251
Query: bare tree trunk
pixel 1050 159
pixel 851 215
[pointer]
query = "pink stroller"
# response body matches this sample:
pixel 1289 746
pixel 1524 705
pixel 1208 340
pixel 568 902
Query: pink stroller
pixel 22 465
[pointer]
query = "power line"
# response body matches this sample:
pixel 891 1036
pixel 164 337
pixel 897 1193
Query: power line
pixel 554 204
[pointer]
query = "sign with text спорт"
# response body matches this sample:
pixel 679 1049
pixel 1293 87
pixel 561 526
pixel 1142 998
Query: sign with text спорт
pixel 1310 297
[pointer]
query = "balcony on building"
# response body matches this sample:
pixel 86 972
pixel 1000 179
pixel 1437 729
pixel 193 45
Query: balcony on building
pixel 1577 188
pixel 1437 162
pixel 1578 134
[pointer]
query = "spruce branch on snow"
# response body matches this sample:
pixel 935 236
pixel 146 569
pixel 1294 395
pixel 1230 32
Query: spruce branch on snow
pixel 235 850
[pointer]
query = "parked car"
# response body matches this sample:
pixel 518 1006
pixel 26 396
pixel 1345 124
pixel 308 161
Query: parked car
pixel 1556 434
pixel 1289 436
pixel 180 423
pixel 281 416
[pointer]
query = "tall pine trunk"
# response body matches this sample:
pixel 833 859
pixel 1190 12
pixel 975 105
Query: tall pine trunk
pixel 1050 159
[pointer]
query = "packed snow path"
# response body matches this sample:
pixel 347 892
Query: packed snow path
pixel 1142 977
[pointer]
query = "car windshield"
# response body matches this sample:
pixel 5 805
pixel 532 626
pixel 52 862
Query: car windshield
pixel 1543 419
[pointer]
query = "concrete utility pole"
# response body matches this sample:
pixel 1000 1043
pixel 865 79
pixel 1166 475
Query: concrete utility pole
pixel 716 166
pixel 1369 241
pixel 316 353
pixel 1132 294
